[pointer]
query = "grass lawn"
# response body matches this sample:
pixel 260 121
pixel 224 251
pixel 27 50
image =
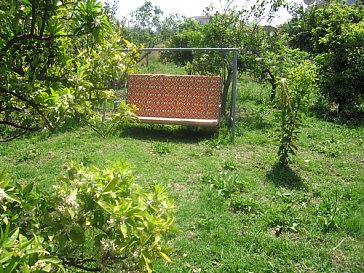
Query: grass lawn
pixel 236 209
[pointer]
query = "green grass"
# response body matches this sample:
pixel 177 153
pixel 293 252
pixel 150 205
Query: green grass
pixel 237 210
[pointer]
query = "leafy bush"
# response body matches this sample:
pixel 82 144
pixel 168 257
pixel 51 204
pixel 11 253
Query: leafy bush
pixel 21 250
pixel 20 254
pixel 334 35
pixel 95 219
pixel 296 93
pixel 342 67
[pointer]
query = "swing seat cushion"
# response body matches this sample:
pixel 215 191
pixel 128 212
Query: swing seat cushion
pixel 176 99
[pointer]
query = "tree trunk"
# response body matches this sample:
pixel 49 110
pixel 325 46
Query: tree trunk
pixel 273 83
pixel 225 91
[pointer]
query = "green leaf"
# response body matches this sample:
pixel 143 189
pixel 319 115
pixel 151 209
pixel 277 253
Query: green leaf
pixel 5 259
pixel 124 230
pixel 4 181
pixel 12 198
pixel 26 242
pixel 148 262
pixel 105 206
pixel 47 268
pixel 77 234
pixel 110 185
pixel 26 268
pixel 12 265
pixel 98 239
pixel 71 213
pixel 62 241
pixel 165 256
pixel 28 188
pixel 12 239
pixel 52 260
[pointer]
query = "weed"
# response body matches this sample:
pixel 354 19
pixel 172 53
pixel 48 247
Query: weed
pixel 328 213
pixel 225 183
pixel 327 147
pixel 161 148
pixel 282 219
pixel 26 155
pixel 242 204
pixel 214 143
pixel 230 165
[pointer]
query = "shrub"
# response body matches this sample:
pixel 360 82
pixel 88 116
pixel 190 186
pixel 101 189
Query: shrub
pixel 95 219
pixel 334 35
pixel 21 250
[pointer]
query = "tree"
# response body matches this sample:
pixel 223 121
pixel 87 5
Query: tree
pixel 296 92
pixel 148 26
pixel 232 27
pixel 189 34
pixel 145 23
pixel 334 36
pixel 47 53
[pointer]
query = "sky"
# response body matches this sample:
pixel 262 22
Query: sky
pixel 187 8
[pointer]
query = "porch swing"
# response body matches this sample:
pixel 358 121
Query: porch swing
pixel 193 100
pixel 176 99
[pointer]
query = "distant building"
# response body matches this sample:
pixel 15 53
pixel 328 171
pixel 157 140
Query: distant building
pixel 352 2
pixel 270 29
pixel 203 19
pixel 311 3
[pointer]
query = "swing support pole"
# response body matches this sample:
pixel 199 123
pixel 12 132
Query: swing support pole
pixel 233 96
pixel 234 66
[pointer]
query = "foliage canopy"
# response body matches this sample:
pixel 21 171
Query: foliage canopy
pixel 50 62
pixel 334 35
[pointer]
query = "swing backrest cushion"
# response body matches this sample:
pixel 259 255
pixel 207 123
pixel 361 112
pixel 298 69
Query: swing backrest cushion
pixel 179 99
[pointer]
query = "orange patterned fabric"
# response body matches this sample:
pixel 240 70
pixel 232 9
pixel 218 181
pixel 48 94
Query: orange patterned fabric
pixel 175 96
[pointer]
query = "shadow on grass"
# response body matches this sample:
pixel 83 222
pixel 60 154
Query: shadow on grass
pixel 168 133
pixel 252 121
pixel 285 176
pixel 351 119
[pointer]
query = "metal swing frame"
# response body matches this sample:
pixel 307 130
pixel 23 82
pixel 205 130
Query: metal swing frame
pixel 233 64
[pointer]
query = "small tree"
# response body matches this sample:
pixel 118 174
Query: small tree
pixel 296 93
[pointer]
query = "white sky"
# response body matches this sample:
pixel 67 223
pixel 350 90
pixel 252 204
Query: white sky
pixel 187 8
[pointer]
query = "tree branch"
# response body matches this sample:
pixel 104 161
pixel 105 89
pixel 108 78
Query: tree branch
pixel 17 109
pixel 43 77
pixel 44 19
pixel 31 103
pixel 79 264
pixel 24 37
pixel 13 124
